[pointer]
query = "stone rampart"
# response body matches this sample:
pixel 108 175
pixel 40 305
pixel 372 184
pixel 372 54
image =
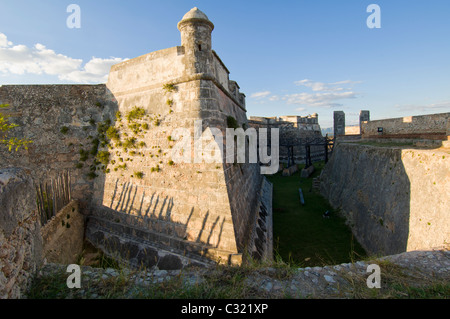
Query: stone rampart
pixel 395 199
pixel 20 239
pixel 432 126
pixel 61 121
pixel 291 133
pixel 63 236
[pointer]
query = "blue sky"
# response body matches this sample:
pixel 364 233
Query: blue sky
pixel 289 57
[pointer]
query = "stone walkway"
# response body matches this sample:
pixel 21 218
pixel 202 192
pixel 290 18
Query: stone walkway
pixel 339 281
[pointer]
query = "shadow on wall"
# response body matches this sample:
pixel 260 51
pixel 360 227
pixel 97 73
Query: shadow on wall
pixel 141 230
pixel 63 123
pixel 372 189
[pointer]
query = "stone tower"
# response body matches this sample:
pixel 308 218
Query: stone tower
pixel 195 29
pixel 339 123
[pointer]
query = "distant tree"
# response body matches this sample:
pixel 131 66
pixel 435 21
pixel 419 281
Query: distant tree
pixel 5 127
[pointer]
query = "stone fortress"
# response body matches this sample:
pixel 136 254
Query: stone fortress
pixel 116 140
pixel 142 206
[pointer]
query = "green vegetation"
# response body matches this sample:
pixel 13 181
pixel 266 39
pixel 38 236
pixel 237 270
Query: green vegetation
pixel 103 157
pixel 155 169
pixel 79 165
pixel 136 113
pixel 94 149
pixel 129 143
pixel 139 175
pixel 232 123
pixel 113 134
pixel 135 128
pixel 91 175
pixel 301 234
pixel 229 283
pixel 397 283
pixel 169 87
pixel 64 130
pixel 84 155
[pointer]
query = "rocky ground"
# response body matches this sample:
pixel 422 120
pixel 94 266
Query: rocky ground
pixel 420 274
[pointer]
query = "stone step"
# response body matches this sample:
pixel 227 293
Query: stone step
pixel 261 247
pixel 153 223
pixel 139 246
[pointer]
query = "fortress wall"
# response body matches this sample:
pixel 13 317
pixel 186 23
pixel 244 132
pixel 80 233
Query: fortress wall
pixel 147 71
pixel 41 111
pixel 210 203
pixel 190 197
pixel 220 71
pixel 395 199
pixel 243 180
pixel 352 130
pixel 290 134
pixel 20 239
pixel 433 126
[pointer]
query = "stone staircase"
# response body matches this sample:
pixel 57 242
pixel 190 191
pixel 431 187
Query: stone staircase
pixel 149 242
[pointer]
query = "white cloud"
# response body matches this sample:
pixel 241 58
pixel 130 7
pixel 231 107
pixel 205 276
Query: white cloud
pixel 96 70
pixel 274 98
pixel 328 87
pixel 326 95
pixel 325 99
pixel 20 60
pixel 4 41
pixel 260 95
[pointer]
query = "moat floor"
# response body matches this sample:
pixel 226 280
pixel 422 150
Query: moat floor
pixel 302 235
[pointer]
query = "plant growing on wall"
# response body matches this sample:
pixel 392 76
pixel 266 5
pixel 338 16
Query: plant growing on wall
pixel 5 127
pixel 169 87
pixel 232 123
pixel 64 130
pixel 136 113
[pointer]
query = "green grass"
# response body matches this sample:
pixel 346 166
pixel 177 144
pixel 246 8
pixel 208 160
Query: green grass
pixel 301 235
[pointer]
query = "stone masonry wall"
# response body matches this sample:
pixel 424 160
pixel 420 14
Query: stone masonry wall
pixel 196 202
pixel 20 240
pixel 290 134
pixel 63 235
pixel 395 199
pixel 43 112
pixel 432 126
pixel 243 180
